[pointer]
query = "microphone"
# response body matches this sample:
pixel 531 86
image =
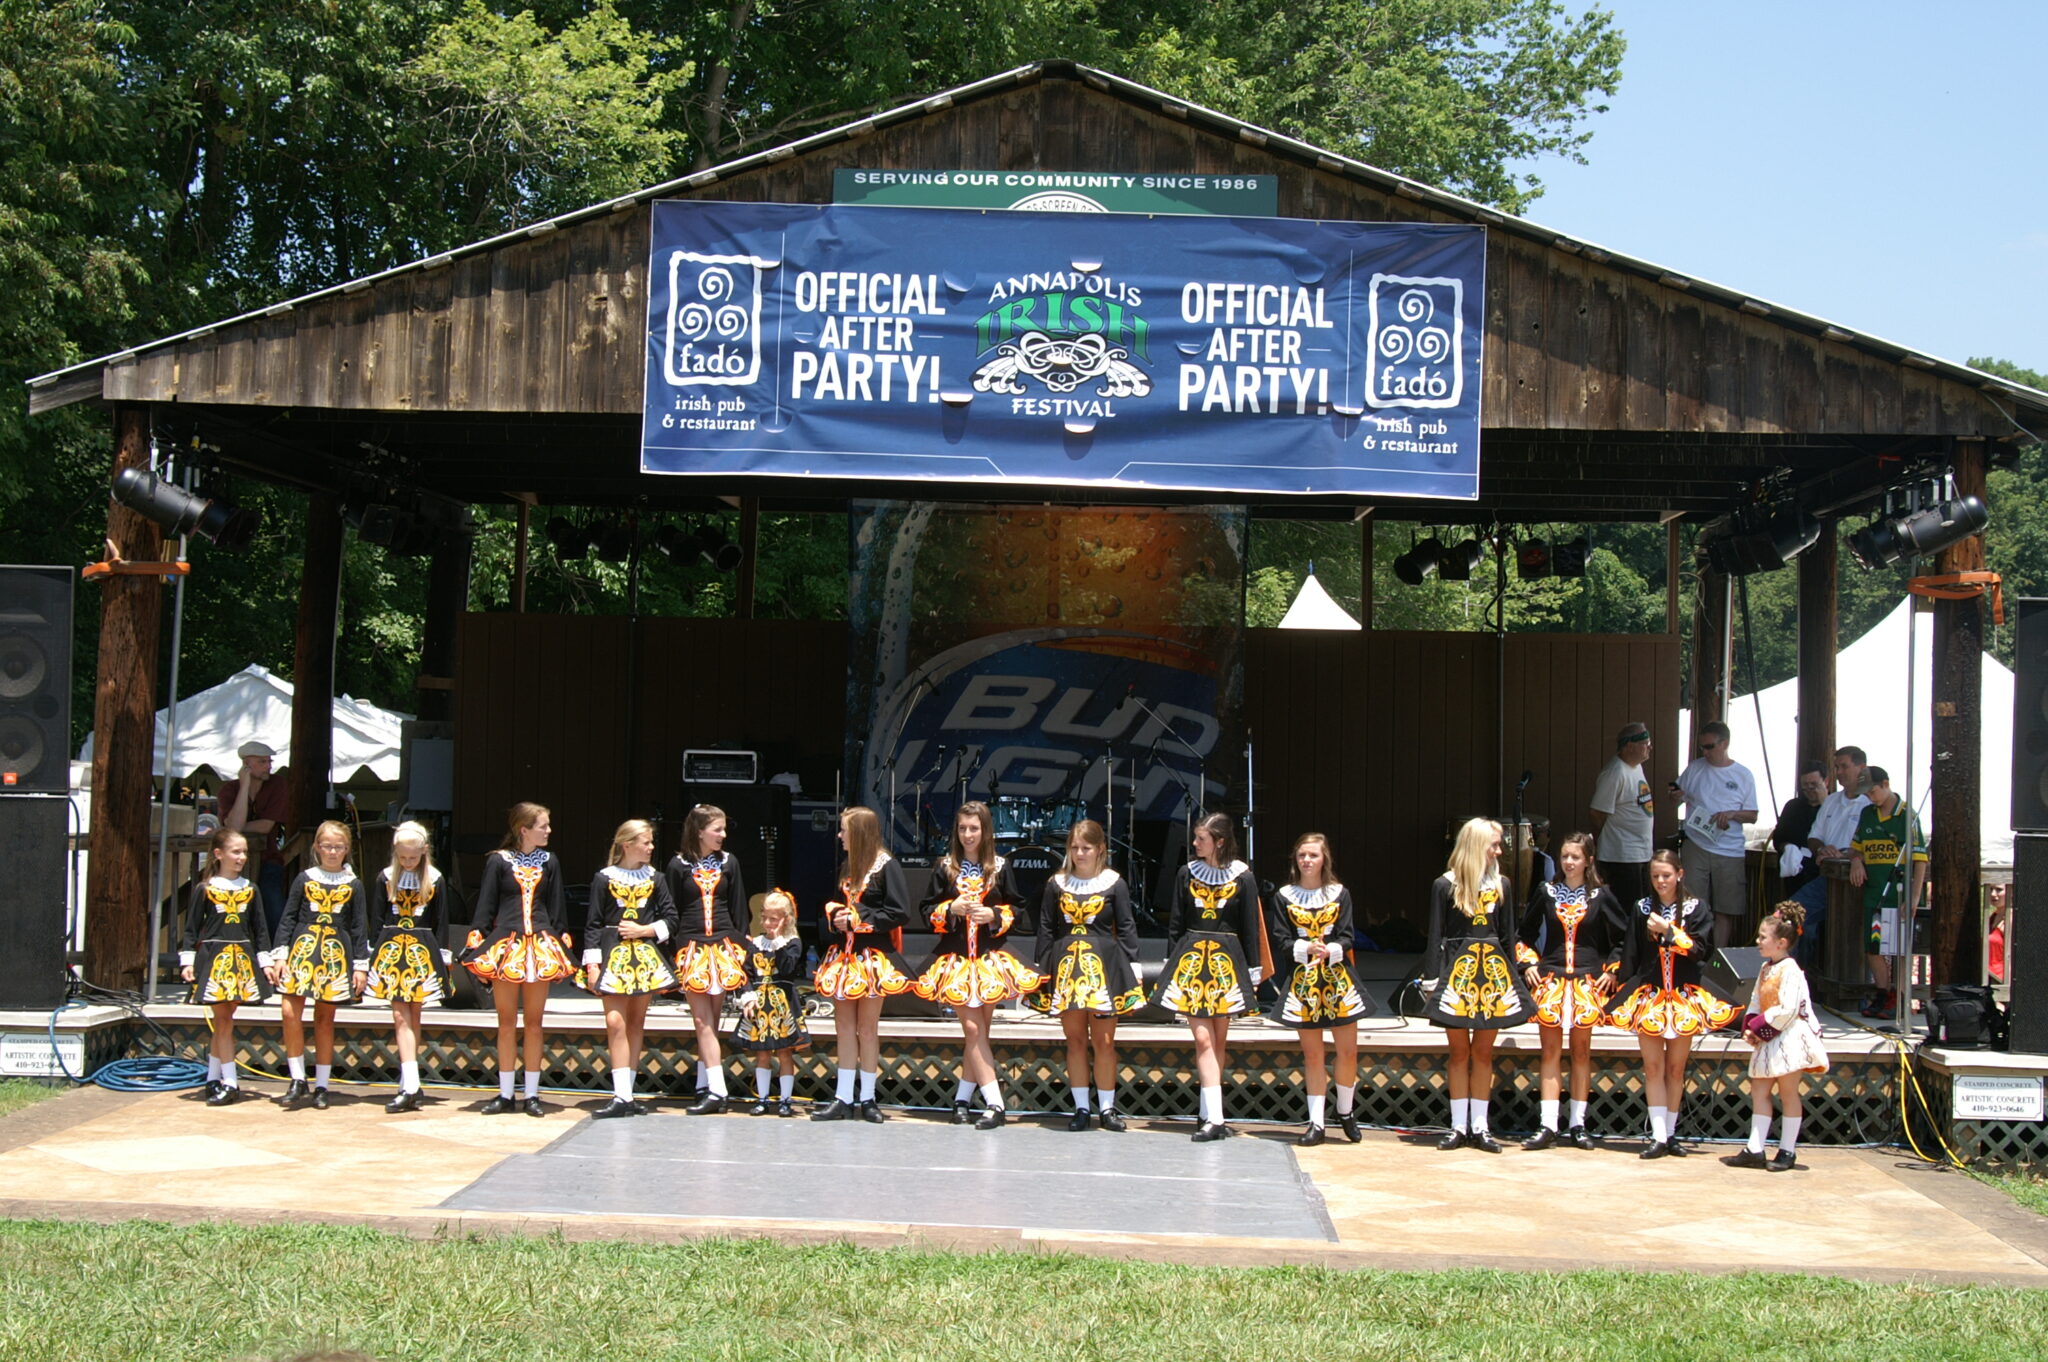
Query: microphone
pixel 1130 690
pixel 1523 783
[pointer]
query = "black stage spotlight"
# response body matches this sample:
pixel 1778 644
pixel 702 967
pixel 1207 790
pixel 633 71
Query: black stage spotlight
pixel 611 540
pixel 181 512
pixel 718 550
pixel 1532 560
pixel 570 539
pixel 1456 565
pixel 1889 538
pixel 1568 558
pixel 1420 563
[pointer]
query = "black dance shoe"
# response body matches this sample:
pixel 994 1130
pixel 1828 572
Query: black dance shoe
pixel 1580 1138
pixel 1784 1161
pixel 710 1104
pixel 1454 1139
pixel 405 1101
pixel 962 1115
pixel 213 1085
pixel 1347 1121
pixel 294 1093
pixel 612 1110
pixel 319 1099
pixel 1747 1158
pixel 836 1110
pixel 1310 1137
pixel 871 1112
pixel 1483 1141
pixel 532 1107
pixel 762 1106
pixel 1112 1119
pixel 1211 1130
pixel 1078 1122
pixel 990 1119
pixel 1542 1139
pixel 785 1107
pixel 1675 1149
pixel 640 1108
pixel 499 1106
pixel 1656 1149
pixel 226 1097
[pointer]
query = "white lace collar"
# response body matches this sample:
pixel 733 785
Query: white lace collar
pixel 1320 897
pixel 625 876
pixel 223 882
pixel 1213 875
pixel 527 860
pixel 345 875
pixel 410 879
pixel 1101 882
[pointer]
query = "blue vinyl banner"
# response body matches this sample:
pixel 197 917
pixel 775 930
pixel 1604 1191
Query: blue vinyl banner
pixel 1212 354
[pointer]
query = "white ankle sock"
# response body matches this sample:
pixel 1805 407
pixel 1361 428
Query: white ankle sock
pixel 1549 1106
pixel 622 1084
pixel 787 1082
pixel 1105 1097
pixel 295 1065
pixel 992 1096
pixel 717 1079
pixel 1479 1126
pixel 700 1075
pixel 505 1081
pixel 409 1075
pixel 1578 1114
pixel 1788 1133
pixel 1347 1093
pixel 213 1068
pixel 1080 1098
pixel 1657 1115
pixel 532 1085
pixel 321 1073
pixel 1759 1131
pixel 1671 1122
pixel 1212 1105
pixel 761 1077
pixel 1461 1114
pixel 227 1074
pixel 844 1092
pixel 963 1091
pixel 867 1084
pixel 1315 1110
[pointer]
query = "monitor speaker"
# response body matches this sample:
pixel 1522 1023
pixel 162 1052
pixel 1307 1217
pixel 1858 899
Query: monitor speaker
pixel 2030 715
pixel 2026 945
pixel 1735 968
pixel 35 679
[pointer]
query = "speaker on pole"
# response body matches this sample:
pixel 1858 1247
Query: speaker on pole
pixel 32 835
pixel 35 679
pixel 2030 715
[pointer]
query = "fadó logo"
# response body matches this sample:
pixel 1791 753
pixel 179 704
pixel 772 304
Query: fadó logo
pixel 714 319
pixel 1416 345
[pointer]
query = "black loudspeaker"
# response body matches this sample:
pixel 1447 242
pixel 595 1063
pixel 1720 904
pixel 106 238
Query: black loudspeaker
pixel 756 829
pixel 2026 945
pixel 2030 715
pixel 1735 968
pixel 35 679
pixel 32 831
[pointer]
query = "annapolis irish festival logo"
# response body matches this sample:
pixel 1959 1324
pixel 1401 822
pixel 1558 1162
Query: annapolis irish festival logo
pixel 1064 344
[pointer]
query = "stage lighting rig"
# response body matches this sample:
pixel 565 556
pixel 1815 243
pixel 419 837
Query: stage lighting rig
pixel 180 512
pixel 570 539
pixel 1421 562
pixel 1457 564
pixel 1532 560
pixel 1922 518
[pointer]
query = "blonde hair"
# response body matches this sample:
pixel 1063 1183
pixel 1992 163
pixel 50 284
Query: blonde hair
pixel 1472 862
pixel 348 841
pixel 863 829
pixel 781 898
pixel 410 831
pixel 628 830
pixel 985 845
pixel 1090 832
pixel 1330 879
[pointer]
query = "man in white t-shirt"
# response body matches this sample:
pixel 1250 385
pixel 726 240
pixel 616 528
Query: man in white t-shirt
pixel 1719 795
pixel 1625 816
pixel 1834 827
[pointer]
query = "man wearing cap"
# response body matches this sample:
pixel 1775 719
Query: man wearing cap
pixel 1625 816
pixel 257 804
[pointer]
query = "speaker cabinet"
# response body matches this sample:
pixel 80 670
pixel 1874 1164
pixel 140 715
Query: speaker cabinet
pixel 35 679
pixel 2026 945
pixel 756 830
pixel 32 831
pixel 2030 715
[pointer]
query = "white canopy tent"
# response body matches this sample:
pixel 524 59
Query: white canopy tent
pixel 1870 712
pixel 255 704
pixel 1313 609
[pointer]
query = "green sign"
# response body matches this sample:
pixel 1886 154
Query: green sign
pixel 1063 191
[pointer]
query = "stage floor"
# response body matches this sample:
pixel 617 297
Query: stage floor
pixel 911 1171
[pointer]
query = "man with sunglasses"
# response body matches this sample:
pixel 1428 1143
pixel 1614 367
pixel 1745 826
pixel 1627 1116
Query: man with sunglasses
pixel 1719 794
pixel 1625 816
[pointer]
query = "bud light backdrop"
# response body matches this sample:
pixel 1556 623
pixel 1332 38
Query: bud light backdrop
pixel 1014 646
pixel 1216 354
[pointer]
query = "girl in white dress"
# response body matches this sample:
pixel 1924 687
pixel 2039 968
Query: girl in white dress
pixel 1784 1041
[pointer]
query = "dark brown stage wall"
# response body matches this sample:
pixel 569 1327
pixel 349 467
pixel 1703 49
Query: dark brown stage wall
pixel 1059 662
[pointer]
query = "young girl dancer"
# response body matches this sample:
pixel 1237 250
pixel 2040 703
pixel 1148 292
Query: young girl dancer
pixel 517 944
pixel 771 1017
pixel 972 906
pixel 630 918
pixel 1785 1042
pixel 325 956
pixel 863 963
pixel 1206 979
pixel 1663 997
pixel 409 908
pixel 1087 947
pixel 1474 993
pixel 224 956
pixel 711 946
pixel 1570 951
pixel 1309 920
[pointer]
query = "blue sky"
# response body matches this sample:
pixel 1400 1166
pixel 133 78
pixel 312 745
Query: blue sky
pixel 1877 164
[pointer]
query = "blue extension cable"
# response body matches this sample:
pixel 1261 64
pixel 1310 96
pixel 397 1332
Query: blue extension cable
pixel 150 1073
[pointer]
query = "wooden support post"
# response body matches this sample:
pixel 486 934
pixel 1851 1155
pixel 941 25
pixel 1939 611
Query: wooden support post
pixel 117 884
pixel 1709 655
pixel 447 598
pixel 750 552
pixel 1955 852
pixel 1672 575
pixel 1819 616
pixel 313 662
pixel 1365 565
pixel 519 558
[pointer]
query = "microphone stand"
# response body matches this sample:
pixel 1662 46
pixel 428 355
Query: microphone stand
pixel 1251 843
pixel 1201 767
pixel 896 749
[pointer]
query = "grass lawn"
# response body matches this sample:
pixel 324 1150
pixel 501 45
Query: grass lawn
pixel 139 1291
pixel 2030 1192
pixel 16 1093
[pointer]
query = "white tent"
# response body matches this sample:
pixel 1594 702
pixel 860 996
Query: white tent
pixel 1313 609
pixel 255 704
pixel 1870 712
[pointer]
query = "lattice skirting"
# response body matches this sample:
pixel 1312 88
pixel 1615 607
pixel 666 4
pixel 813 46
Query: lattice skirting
pixel 1854 1103
pixel 1990 1144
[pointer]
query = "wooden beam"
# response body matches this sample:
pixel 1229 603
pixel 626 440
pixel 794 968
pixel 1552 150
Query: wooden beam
pixel 313 663
pixel 1955 852
pixel 1819 615
pixel 117 887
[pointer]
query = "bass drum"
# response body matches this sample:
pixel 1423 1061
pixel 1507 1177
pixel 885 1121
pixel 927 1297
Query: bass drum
pixel 1030 867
